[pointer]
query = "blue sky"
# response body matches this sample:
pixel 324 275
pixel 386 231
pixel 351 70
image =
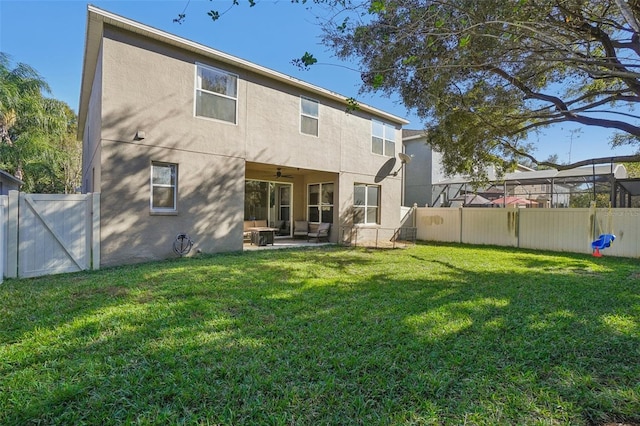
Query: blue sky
pixel 49 36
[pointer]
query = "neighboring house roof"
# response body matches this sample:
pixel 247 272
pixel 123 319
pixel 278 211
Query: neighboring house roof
pixel 97 18
pixel 513 201
pixel 8 177
pixel 472 200
pixel 410 134
pixel 523 168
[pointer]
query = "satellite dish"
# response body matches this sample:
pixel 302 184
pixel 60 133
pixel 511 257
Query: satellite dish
pixel 404 158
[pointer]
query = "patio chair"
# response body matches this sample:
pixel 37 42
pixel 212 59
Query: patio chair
pixel 300 228
pixel 321 232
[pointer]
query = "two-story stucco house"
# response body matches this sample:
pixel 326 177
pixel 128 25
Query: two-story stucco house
pixel 179 137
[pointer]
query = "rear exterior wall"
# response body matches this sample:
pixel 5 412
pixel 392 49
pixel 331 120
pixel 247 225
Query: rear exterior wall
pixel 146 86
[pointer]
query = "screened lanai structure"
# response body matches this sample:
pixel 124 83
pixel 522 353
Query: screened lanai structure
pixel 606 184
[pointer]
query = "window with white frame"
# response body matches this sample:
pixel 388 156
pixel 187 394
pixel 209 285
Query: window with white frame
pixel 309 116
pixel 366 203
pixel 216 94
pixel 383 138
pixel 320 202
pixel 164 187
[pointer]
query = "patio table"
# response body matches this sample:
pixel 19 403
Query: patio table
pixel 261 236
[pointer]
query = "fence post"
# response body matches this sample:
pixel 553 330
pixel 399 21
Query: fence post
pixel 12 235
pixel 460 213
pixel 518 219
pixel 95 233
pixel 3 234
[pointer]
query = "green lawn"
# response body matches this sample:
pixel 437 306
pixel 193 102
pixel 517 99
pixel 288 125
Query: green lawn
pixel 434 334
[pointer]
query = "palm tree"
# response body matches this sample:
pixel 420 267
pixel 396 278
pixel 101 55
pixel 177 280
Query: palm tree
pixel 30 123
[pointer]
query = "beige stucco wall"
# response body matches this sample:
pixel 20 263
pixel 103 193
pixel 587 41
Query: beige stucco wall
pixel 209 205
pixel 149 87
pixel 91 147
pixel 390 194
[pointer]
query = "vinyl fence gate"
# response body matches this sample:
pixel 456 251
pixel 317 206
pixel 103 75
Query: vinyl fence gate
pixel 50 233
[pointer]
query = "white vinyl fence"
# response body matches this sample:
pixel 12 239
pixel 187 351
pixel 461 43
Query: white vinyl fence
pixel 49 233
pixel 3 234
pixel 570 230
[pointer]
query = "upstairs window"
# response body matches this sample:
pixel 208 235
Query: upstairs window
pixel 164 187
pixel 383 138
pixel 309 116
pixel 216 94
pixel 366 203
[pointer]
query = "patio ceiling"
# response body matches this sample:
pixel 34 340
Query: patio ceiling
pixel 268 172
pixel 271 168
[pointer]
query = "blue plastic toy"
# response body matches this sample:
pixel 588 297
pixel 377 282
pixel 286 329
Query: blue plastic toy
pixel 602 243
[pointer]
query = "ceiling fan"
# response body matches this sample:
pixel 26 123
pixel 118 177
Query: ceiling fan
pixel 279 174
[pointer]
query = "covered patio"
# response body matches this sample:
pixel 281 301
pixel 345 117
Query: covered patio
pixel 276 196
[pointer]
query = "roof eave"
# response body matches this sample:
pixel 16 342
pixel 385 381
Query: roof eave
pixel 11 178
pixel 96 18
pixel 414 138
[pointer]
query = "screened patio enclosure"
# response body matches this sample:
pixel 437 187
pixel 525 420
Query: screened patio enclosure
pixel 551 188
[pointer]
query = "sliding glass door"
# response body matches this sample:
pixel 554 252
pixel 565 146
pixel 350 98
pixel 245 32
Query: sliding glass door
pixel 256 200
pixel 270 202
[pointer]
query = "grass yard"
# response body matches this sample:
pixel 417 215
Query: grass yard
pixel 434 334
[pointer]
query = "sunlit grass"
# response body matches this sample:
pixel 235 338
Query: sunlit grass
pixel 435 334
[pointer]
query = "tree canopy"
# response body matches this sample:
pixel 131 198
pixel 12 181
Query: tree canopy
pixel 37 133
pixel 485 74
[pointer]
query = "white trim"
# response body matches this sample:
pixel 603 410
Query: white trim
pixel 366 204
pixel 385 127
pixel 320 204
pixel 291 201
pixel 196 89
pixel 302 114
pixel 163 210
pixel 289 186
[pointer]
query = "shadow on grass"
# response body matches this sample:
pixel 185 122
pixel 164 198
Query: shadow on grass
pixel 434 334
